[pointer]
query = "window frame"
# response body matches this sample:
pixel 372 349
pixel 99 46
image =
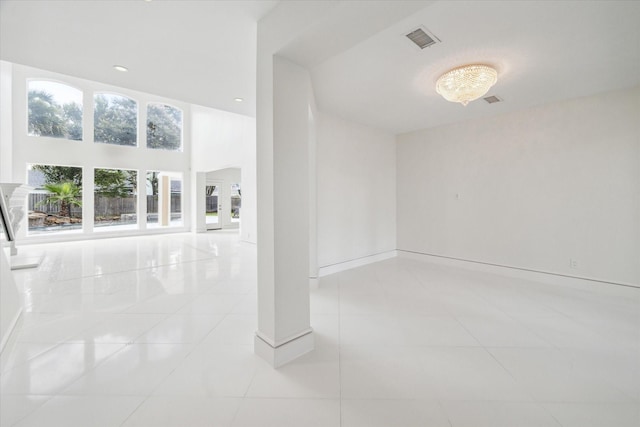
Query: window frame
pixel 137 124
pixel 181 149
pixel 29 80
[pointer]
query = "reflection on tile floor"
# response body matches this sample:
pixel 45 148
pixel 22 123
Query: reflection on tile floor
pixel 158 331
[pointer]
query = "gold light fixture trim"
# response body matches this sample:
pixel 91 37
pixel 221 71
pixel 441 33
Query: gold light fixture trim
pixel 466 83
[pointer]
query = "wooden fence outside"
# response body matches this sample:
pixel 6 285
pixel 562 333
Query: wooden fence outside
pixel 104 206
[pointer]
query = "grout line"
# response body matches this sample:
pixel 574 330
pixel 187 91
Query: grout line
pixel 28 414
pixel 455 316
pixel 135 410
pixel 237 411
pixel 515 380
pixel 444 411
pixel 548 412
pixel 414 276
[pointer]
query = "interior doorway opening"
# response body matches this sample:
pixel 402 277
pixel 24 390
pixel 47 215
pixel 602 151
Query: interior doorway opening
pixel 221 193
pixel 211 207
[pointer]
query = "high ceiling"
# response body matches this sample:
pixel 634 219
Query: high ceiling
pixel 202 52
pixel 362 66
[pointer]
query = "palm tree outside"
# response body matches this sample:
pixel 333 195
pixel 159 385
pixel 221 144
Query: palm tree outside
pixel 65 193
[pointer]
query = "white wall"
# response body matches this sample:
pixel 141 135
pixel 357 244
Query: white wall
pixel 356 190
pixel 10 305
pixel 531 189
pixel 223 140
pixel 6 124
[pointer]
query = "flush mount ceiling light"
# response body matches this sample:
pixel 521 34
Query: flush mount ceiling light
pixel 121 68
pixel 466 83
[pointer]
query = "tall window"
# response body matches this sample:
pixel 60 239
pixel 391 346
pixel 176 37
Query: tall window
pixel 55 203
pixel 55 110
pixel 115 120
pixel 115 200
pixel 164 127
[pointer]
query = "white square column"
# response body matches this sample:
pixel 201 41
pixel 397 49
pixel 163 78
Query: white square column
pixel 284 154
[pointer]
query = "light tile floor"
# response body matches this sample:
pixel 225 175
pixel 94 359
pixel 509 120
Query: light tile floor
pixel 158 331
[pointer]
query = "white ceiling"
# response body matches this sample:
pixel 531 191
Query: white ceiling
pixel 202 52
pixel 544 51
pixel 363 68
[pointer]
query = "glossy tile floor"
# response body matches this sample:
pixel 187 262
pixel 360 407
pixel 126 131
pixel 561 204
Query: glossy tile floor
pixel 157 331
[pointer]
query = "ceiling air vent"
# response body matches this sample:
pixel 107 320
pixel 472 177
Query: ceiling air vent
pixel 422 38
pixel 492 99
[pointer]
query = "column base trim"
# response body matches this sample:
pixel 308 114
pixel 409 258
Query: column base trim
pixel 279 355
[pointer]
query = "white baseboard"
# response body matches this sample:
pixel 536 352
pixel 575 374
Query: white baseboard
pixel 22 262
pixel 516 272
pixel 12 331
pixel 359 262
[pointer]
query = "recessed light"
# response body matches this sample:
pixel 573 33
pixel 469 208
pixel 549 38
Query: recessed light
pixel 121 68
pixel 238 99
